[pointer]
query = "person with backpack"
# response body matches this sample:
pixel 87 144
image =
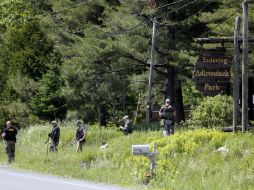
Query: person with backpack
pixel 126 127
pixel 54 137
pixel 80 136
pixel 10 136
pixel 167 115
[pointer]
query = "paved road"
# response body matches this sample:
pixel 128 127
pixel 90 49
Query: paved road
pixel 17 180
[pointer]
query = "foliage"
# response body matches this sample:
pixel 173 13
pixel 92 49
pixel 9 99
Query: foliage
pixel 29 50
pixel 19 12
pixel 13 12
pixel 48 103
pixel 58 56
pixel 192 96
pixel 104 51
pixel 17 112
pixel 170 149
pixel 112 56
pixel 33 72
pixel 212 112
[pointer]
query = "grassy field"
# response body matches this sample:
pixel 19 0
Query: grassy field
pixel 187 160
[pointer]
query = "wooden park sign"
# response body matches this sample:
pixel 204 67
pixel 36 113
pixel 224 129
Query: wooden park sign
pixel 212 72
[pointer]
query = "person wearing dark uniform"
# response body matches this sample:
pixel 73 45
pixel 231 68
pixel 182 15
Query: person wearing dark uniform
pixel 80 136
pixel 126 127
pixel 167 115
pixel 54 136
pixel 9 135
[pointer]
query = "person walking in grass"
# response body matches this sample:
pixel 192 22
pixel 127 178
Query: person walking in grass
pixel 54 137
pixel 10 134
pixel 167 115
pixel 80 136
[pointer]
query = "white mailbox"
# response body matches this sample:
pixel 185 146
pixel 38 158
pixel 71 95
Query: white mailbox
pixel 140 149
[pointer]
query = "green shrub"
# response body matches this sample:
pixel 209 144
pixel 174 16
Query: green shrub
pixel 17 112
pixel 154 126
pixel 181 145
pixel 212 112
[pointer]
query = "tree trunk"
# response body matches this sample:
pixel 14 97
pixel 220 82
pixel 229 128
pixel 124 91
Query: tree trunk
pixel 102 115
pixel 173 90
pixel 123 101
pixel 179 108
pixel 170 84
pixel 170 70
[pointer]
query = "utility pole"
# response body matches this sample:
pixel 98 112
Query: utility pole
pixel 236 73
pixel 245 68
pixel 150 83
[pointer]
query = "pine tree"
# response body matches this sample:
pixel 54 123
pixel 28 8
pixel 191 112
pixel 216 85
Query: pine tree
pixel 48 103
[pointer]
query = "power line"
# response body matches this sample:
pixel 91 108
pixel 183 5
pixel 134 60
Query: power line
pixel 177 9
pixel 142 23
pixel 216 26
pixel 144 12
pixel 180 22
pixel 126 30
pixel 169 4
pixel 86 2
pixel 224 20
pixel 61 10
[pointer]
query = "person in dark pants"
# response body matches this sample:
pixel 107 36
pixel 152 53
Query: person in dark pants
pixel 54 136
pixel 80 136
pixel 126 127
pixel 9 135
pixel 167 115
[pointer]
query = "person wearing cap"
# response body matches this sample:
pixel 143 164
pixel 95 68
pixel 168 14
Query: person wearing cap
pixel 10 134
pixel 167 115
pixel 54 136
pixel 80 136
pixel 126 127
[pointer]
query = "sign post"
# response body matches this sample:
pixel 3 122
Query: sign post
pixel 236 73
pixel 245 68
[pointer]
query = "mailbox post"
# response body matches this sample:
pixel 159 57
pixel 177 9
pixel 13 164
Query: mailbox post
pixel 144 150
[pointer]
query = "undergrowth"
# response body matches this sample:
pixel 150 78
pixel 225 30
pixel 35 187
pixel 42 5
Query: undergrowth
pixel 187 160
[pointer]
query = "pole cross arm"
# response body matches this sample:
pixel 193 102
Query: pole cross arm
pixel 221 40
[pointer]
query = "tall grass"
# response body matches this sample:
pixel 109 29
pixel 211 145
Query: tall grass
pixel 93 164
pixel 186 160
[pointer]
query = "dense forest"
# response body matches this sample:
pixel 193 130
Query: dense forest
pixel 90 59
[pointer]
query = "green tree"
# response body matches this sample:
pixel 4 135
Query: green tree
pixel 28 49
pixel 115 42
pixel 105 46
pixel 31 63
pixel 48 102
